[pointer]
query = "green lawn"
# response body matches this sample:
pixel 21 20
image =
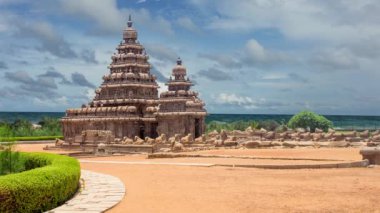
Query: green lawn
pixel 30 138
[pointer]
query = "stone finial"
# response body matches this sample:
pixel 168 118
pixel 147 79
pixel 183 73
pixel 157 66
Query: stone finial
pixel 179 61
pixel 129 21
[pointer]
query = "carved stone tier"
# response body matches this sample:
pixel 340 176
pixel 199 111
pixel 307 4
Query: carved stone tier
pixel 129 65
pixel 179 83
pixel 86 119
pixel 197 114
pixel 126 101
pixel 136 85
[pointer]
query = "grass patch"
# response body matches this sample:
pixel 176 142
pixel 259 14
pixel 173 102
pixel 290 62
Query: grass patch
pixel 30 138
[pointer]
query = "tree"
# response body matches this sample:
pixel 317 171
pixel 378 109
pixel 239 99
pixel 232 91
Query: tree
pixel 307 119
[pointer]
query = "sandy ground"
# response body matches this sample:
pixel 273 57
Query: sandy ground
pixel 322 153
pixel 168 188
pixel 37 148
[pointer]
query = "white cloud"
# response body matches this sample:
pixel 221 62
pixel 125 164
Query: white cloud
pixel 297 19
pixel 246 102
pixel 161 52
pixel 162 88
pixel 111 19
pixel 188 24
pixel 240 101
pixel 255 51
pixel 335 59
pixel 104 13
pixel 90 94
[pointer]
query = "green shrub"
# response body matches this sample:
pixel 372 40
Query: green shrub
pixel 307 119
pixel 22 128
pixel 281 128
pixel 50 180
pixel 10 160
pixel 235 125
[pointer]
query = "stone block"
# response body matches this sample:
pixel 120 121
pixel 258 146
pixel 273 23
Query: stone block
pixel 290 144
pixel 338 144
pixel 252 144
pixel 372 154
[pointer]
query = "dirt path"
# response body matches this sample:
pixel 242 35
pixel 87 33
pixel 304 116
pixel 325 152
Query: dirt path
pixel 216 189
pixel 171 188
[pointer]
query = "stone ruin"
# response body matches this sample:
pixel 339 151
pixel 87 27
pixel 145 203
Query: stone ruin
pixel 97 141
pixel 372 154
pixel 127 102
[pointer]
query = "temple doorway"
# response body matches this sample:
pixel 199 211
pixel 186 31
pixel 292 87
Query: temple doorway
pixel 196 128
pixel 142 131
pixel 153 130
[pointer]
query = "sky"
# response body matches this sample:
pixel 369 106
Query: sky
pixel 246 56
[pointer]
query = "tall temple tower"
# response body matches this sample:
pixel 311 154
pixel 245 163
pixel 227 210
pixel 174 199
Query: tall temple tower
pixel 181 111
pixel 127 99
pixel 127 102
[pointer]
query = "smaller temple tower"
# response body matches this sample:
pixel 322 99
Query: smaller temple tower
pixel 180 110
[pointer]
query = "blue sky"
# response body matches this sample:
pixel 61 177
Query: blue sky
pixel 247 56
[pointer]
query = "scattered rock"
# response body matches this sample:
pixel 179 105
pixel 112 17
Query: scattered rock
pixel 150 140
pixel 276 143
pixel 358 144
pixel 300 130
pixel 317 130
pixel 290 144
pixel 187 139
pixel 252 144
pixel 230 143
pixel 177 147
pixel 201 139
pixel 338 144
pixel 138 141
pixel 161 139
pixel 59 142
pixel 306 143
pixel 265 143
pixel 353 139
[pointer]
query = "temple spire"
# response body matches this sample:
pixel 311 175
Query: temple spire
pixel 179 61
pixel 129 21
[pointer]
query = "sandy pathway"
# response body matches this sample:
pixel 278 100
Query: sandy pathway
pixel 170 188
pixel 217 189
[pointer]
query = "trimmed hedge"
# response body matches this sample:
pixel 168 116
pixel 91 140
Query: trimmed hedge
pixel 49 181
pixel 30 138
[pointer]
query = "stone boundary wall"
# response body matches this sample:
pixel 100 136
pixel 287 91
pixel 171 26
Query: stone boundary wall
pixel 362 163
pixel 180 155
pixel 339 164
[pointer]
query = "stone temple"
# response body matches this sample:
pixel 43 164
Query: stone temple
pixel 127 103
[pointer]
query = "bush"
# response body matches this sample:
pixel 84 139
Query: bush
pixel 10 160
pixel 22 128
pixel 235 125
pixel 310 120
pixel 50 181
